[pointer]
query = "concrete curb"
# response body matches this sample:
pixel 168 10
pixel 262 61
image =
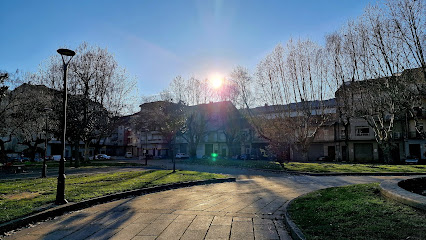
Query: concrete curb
pixel 390 189
pixel 59 210
pixel 357 174
pixel 295 231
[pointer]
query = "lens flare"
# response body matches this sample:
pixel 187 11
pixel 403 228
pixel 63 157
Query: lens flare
pixel 216 81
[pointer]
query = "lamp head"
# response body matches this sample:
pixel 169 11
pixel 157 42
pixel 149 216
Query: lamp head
pixel 66 52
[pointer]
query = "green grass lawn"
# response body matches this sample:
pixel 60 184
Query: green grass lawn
pixel 21 197
pixel 236 163
pixel 311 167
pixel 358 168
pixel 356 212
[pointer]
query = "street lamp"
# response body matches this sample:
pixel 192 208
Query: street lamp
pixel 146 146
pixel 44 170
pixel 66 55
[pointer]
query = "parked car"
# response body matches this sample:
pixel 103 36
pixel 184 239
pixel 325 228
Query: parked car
pixel 56 158
pixel 128 155
pixel 411 160
pixel 102 156
pixel 182 155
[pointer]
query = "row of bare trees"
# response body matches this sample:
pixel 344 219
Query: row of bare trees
pixel 385 41
pixel 385 44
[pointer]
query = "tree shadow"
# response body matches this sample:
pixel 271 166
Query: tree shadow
pixel 98 222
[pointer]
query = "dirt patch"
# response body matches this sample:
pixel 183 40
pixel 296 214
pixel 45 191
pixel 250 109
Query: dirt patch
pixel 24 195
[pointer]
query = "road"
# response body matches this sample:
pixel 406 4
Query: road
pixel 250 208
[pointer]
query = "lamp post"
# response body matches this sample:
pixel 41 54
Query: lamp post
pixel 66 56
pixel 146 147
pixel 44 170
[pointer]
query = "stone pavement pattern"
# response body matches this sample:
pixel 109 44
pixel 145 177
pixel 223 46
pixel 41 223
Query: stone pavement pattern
pixel 250 208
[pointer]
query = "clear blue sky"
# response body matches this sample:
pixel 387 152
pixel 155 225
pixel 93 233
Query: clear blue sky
pixel 158 40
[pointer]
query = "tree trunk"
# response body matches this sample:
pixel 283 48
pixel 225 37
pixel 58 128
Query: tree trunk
pixel 3 156
pixel 346 141
pixel 86 151
pixel 77 153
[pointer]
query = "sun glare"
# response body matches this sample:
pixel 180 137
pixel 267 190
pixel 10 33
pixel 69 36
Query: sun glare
pixel 216 81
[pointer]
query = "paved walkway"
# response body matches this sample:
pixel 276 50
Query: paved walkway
pixel 250 208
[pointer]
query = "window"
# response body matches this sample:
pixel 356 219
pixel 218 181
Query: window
pixel 362 131
pixel 222 137
pixel 342 134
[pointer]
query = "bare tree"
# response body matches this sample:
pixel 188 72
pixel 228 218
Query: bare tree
pixel 232 124
pixel 195 128
pixel 29 117
pixel 8 102
pixel 178 89
pixel 407 20
pixel 102 85
pixel 297 76
pixel 243 82
pixel 377 48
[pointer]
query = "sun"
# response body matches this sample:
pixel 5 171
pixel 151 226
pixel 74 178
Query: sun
pixel 216 81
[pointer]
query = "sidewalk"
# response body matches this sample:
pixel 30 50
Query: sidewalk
pixel 218 211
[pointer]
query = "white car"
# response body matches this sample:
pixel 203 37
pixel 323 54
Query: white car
pixel 128 155
pixel 182 155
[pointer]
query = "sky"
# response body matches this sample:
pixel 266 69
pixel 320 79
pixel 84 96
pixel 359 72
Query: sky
pixel 156 41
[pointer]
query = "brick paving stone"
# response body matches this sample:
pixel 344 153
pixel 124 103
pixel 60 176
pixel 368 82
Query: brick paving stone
pixel 242 226
pixel 109 219
pixel 194 235
pixel 242 235
pixel 273 206
pixel 218 220
pixel 243 215
pixel 242 219
pixel 242 230
pixel 198 213
pixel 105 233
pixel 223 205
pixel 201 223
pixel 185 218
pixel 129 231
pixel 144 238
pixel 262 221
pixel 146 218
pixel 218 232
pixel 239 206
pixel 156 227
pixel 58 234
pixel 265 231
pixel 211 203
pixel 168 216
pixel 175 230
pixel 84 233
